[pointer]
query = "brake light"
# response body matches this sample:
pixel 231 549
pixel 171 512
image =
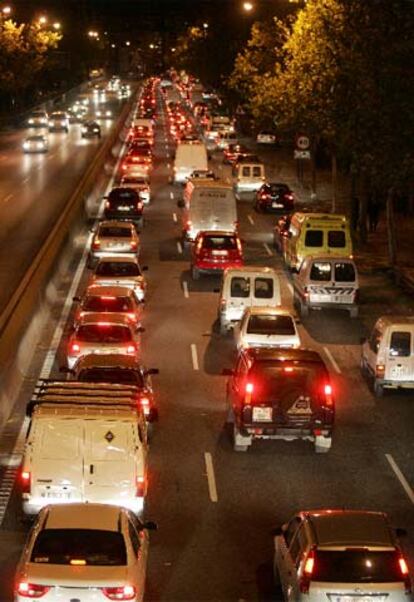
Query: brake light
pixel 328 394
pixel 133 244
pixel 131 349
pixel 403 566
pixel 405 574
pixel 96 244
pixel 131 316
pixel 75 348
pixel 25 477
pixel 380 370
pixel 308 570
pixel 239 245
pixel 127 592
pixel 32 590
pixel 145 403
pixel 328 389
pixel 288 369
pixel 249 389
pixel 140 487
pixel 139 206
pixel 309 565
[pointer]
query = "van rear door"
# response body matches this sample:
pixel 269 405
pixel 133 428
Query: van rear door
pixel 400 362
pixel 109 461
pixel 56 461
pixel 265 290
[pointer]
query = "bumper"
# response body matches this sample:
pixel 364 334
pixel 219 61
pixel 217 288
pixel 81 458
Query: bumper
pixel 95 255
pixel 272 431
pixel 214 267
pixel 123 215
pixel 330 305
pixel 32 506
pixel 248 186
pixel 395 384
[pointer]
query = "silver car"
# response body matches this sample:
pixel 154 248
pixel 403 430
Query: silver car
pixel 101 333
pixel 58 122
pixel 113 237
pixel 340 556
pixel 121 271
pixel 111 301
pixel 37 119
pixel 36 144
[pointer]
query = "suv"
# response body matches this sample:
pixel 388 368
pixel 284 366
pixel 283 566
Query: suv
pixel 124 203
pixel 274 196
pixel 280 394
pixel 214 251
pixel 340 555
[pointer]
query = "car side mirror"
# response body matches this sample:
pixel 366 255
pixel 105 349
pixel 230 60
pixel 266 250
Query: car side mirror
pixel 277 532
pixel 150 525
pixel 363 340
pixel 401 532
pixel 140 329
pixel 144 268
pixel 180 203
pixel 76 299
pixel 152 371
pixel 227 372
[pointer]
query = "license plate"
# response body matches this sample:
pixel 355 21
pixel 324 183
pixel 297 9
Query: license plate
pixel 262 414
pixel 123 208
pixel 356 598
pixel 57 495
pixel 398 371
pixel 219 253
pixel 277 205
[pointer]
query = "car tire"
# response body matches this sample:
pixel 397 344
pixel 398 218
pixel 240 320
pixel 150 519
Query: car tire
pixel 195 273
pixel 378 389
pixel 237 447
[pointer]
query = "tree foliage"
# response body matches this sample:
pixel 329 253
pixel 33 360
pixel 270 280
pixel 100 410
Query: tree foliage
pixel 23 53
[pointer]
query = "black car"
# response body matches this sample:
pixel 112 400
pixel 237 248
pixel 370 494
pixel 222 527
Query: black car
pixel 274 196
pixel 280 394
pixel 124 203
pixel 90 129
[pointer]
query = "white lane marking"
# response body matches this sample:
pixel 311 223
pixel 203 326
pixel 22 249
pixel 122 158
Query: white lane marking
pixel 251 220
pixel 179 247
pixel 400 477
pixel 211 479
pixel 172 196
pixel 25 180
pixel 185 289
pixel 169 165
pixel 8 197
pixel 194 356
pixel 175 218
pixel 332 360
pixel 268 249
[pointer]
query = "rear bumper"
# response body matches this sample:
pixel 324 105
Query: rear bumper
pixel 33 505
pixel 214 267
pixel 95 255
pixel 273 431
pixel 396 384
pixel 330 305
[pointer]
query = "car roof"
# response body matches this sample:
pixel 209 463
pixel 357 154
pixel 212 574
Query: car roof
pixel 266 310
pixel 116 223
pixel 273 353
pixel 395 320
pixel 350 527
pixel 108 318
pixel 96 290
pixel 83 516
pixel 250 269
pixel 108 360
pixel 116 259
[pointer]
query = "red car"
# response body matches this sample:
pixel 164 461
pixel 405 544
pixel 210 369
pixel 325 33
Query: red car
pixel 214 251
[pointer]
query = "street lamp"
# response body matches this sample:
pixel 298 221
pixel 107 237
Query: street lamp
pixel 6 10
pixel 57 26
pixel 205 25
pixel 127 43
pixel 42 20
pixel 152 46
pixel 248 7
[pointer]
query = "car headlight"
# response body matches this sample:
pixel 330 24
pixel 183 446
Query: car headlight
pixel 109 113
pixel 84 130
pixel 31 121
pixel 26 145
pixel 98 114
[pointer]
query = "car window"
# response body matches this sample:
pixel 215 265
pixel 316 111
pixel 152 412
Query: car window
pixel 321 271
pixel 336 239
pixel 107 304
pixel 92 546
pixel 125 194
pixel 400 345
pixel 120 376
pixel 271 325
pixel 263 288
pixel 246 171
pixel 356 566
pixel 117 268
pixel 314 238
pixel 240 287
pixel 374 340
pixel 133 535
pixel 103 333
pixel 114 232
pixel 344 271
pixel 292 529
pixel 257 171
pixel 219 242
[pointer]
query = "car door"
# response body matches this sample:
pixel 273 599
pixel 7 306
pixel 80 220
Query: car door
pixel 265 291
pixel 282 558
pixel 370 350
pixel 399 366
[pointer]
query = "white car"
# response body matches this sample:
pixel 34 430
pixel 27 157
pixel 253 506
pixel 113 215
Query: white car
pixel 88 552
pixel 38 119
pixel 121 271
pixel 266 137
pixel 36 144
pixel 266 327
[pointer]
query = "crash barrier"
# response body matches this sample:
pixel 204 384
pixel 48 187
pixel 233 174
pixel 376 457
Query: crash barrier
pixel 23 320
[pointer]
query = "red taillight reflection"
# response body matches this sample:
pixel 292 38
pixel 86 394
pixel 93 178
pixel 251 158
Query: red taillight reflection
pixel 127 592
pixel 32 590
pixel 96 244
pixel 25 478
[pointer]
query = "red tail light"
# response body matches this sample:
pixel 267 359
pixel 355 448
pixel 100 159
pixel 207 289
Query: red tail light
pixel 107 205
pixel 32 590
pixel 96 244
pixel 239 246
pixel 26 481
pixel 131 316
pixel 140 487
pixel 308 570
pixel 403 566
pixel 249 390
pixel 328 389
pixel 405 574
pixel 127 592
pixel 131 349
pixel 139 206
pixel 145 403
pixel 74 348
pixel 133 244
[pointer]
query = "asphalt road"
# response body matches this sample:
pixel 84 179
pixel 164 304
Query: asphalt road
pixel 34 189
pixel 214 507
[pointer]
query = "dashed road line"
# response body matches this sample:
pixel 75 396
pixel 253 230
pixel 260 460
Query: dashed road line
pixel 8 197
pixel 268 249
pixel 12 464
pixel 251 220
pixel 172 196
pixel 179 247
pixel 175 219
pixel 398 473
pixel 185 289
pixel 211 479
pixel 332 360
pixel 194 356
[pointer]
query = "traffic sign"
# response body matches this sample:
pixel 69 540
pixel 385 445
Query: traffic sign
pixel 302 142
pixel 301 154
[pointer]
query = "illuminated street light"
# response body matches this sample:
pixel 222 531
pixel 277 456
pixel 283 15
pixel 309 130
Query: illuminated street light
pixel 173 49
pixel 152 46
pixel 93 34
pixel 6 10
pixel 248 6
pixel 205 25
pixel 57 26
pixel 127 43
pixel 42 20
pixel 113 45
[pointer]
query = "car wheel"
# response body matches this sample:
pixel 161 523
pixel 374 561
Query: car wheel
pixel 237 445
pixel 195 273
pixel 378 389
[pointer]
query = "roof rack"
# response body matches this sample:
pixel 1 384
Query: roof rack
pixel 69 392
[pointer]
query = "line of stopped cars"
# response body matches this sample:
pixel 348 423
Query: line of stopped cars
pixel 84 475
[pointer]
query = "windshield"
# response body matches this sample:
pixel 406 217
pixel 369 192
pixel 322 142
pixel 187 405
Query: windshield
pixel 269 325
pixel 117 268
pixel 114 232
pixel 107 304
pixel 120 376
pixel 356 566
pixel 123 194
pixel 103 333
pixel 92 546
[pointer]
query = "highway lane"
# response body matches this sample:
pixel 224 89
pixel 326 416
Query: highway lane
pixel 34 189
pixel 215 508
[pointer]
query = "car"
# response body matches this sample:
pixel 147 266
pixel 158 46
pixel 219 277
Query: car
pixel 114 237
pixel 214 251
pixel 90 129
pixel 121 271
pixel 36 144
pixel 248 175
pixel 137 165
pixel 110 300
pixel 58 122
pixel 89 552
pixel 138 183
pixel 37 119
pixel 124 202
pixel 101 333
pixel 275 393
pixel 266 137
pixel 204 174
pixel 234 153
pixel 340 555
pixel 274 196
pixel 140 145
pixel 119 369
pixel 266 326
pixel 103 114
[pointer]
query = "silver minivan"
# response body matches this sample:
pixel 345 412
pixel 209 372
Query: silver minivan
pixel 246 287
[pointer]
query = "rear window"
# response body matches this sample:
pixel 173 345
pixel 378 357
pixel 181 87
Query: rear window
pixel 103 333
pixel 286 385
pixel 344 272
pixel 114 232
pixel 240 287
pixel 107 304
pixel 257 172
pixel 120 376
pixel 116 268
pixel 336 239
pixel 263 288
pixel 122 195
pixel 356 566
pixel 246 172
pixel 94 547
pixel 314 238
pixel 400 344
pixel 321 271
pixel 219 242
pixel 277 189
pixel 281 325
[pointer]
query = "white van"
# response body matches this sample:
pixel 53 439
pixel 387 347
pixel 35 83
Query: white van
pixel 227 138
pixel 248 176
pixel 192 184
pixel 388 354
pixel 87 442
pixel 189 157
pixel 246 287
pixel 212 207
